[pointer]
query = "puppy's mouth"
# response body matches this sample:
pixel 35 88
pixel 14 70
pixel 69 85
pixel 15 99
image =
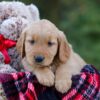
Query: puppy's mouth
pixel 40 65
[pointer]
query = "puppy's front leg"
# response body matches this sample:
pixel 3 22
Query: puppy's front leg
pixel 62 79
pixel 45 76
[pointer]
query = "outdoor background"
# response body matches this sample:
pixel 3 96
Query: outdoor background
pixel 80 20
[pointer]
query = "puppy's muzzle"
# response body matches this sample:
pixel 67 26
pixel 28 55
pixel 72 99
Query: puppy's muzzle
pixel 38 59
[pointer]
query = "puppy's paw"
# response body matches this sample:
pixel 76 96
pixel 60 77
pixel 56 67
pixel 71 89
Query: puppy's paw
pixel 63 85
pixel 45 77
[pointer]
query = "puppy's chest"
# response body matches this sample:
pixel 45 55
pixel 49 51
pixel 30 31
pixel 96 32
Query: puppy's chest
pixel 53 68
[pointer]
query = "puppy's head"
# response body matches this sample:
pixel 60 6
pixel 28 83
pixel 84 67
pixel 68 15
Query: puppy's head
pixel 42 44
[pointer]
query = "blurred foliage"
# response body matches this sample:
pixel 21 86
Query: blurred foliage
pixel 80 20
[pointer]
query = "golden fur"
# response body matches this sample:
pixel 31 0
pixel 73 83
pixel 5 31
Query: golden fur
pixel 60 62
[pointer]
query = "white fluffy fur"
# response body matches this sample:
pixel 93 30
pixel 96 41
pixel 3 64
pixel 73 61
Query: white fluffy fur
pixel 14 17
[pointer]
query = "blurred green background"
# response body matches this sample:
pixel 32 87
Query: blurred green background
pixel 80 20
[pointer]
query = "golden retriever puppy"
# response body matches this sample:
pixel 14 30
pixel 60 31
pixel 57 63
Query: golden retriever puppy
pixel 47 53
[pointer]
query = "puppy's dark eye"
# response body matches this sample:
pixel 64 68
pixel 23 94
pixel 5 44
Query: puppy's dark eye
pixel 50 43
pixel 31 41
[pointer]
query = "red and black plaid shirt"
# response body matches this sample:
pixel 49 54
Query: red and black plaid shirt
pixel 24 86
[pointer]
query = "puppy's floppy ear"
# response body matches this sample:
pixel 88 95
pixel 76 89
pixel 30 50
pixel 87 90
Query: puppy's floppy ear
pixel 63 47
pixel 21 43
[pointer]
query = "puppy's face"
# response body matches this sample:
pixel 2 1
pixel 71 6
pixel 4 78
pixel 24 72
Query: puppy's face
pixel 41 42
pixel 40 47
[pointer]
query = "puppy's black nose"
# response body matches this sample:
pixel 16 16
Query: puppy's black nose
pixel 39 59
